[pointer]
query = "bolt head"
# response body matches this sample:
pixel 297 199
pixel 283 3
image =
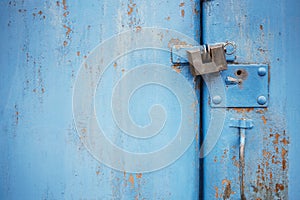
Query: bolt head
pixel 217 99
pixel 261 100
pixel 262 71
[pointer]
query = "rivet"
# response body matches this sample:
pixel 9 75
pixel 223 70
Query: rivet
pixel 262 71
pixel 217 99
pixel 261 100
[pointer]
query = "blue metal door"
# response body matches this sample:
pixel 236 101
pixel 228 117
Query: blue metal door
pixel 262 104
pixel 91 105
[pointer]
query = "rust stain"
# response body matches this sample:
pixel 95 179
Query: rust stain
pixel 279 187
pixel 264 119
pixel 68 30
pixel 227 191
pixel 138 28
pixel 217 192
pixel 243 110
pixel 139 175
pixel 131 180
pixel 262 111
pixel 66 14
pixel 97 172
pixel 40 12
pixel 175 41
pixel 215 159
pixel 181 4
pixel 277 135
pixel 130 9
pixel 182 13
pixel 64 2
pixel 115 65
pixel 175 67
pixel 283 164
pixel 283 153
pixel 261 27
pixel 276 149
pixel 78 53
pixel 284 141
pixel 266 154
pixel 195 11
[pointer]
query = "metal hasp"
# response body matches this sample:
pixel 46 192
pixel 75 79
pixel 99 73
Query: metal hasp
pixel 246 86
pixel 242 125
pixel 208 59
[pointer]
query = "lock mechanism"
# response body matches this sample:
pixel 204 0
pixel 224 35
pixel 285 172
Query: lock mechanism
pixel 207 59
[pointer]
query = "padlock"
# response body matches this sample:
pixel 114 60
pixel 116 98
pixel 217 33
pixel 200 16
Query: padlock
pixel 207 59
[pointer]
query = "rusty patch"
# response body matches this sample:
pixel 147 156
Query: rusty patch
pixel 131 180
pixel 66 14
pixel 176 68
pixel 276 138
pixel 64 2
pixel 279 187
pixel 175 41
pixel 68 30
pixel 227 191
pixel 264 119
pixel 78 53
pixel 261 27
pixel 243 110
pixel 261 111
pixel 217 192
pixel 138 28
pixel 215 159
pixel 284 141
pixel 181 4
pixel 139 175
pixel 130 8
pixel 266 154
pixel 182 13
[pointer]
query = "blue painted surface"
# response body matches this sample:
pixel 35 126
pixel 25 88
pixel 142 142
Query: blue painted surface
pixel 43 45
pixel 265 32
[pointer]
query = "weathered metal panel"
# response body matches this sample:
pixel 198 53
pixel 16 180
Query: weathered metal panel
pixel 265 32
pixel 43 44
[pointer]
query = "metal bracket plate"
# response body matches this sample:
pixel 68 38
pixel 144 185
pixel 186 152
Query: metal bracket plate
pixel 245 86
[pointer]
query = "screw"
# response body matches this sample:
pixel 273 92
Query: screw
pixel 217 99
pixel 261 100
pixel 262 71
